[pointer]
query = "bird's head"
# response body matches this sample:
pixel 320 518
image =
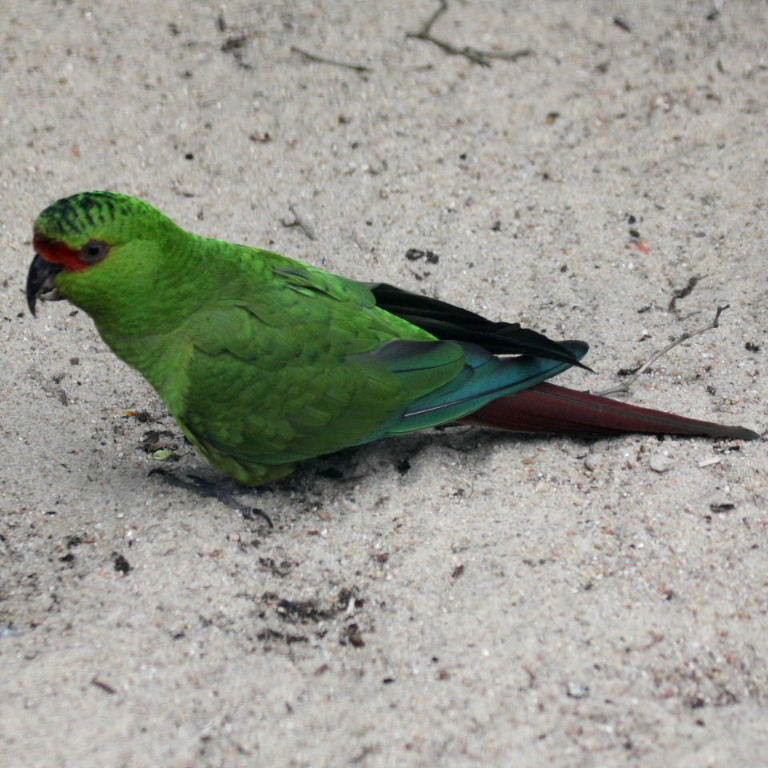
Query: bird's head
pixel 92 246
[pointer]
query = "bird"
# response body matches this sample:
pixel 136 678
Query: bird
pixel 265 361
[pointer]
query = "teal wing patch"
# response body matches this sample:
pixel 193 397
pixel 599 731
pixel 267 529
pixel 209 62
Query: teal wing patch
pixel 482 378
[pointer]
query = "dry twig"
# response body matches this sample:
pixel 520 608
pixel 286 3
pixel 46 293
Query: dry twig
pixel 645 366
pixel 333 62
pixel 475 55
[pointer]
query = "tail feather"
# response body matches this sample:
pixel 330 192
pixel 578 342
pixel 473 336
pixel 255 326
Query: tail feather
pixel 549 408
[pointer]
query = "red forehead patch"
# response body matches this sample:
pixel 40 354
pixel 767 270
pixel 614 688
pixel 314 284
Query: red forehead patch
pixel 57 252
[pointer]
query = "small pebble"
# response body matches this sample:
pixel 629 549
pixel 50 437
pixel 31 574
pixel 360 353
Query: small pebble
pixel 590 463
pixel 577 690
pixel 661 463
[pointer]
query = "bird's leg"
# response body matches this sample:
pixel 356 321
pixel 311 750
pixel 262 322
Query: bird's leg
pixel 221 491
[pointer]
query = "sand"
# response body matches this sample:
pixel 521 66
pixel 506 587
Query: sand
pixel 452 598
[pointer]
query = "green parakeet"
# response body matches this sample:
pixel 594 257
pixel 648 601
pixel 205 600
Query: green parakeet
pixel 265 361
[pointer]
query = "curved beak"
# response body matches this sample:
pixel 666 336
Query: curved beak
pixel 41 281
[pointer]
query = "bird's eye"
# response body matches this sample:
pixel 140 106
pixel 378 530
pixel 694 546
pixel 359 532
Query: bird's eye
pixel 94 251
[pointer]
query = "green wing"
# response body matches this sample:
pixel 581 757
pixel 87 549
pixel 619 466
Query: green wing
pixel 306 363
pixel 282 372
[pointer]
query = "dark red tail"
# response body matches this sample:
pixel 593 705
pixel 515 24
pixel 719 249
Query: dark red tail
pixel 549 408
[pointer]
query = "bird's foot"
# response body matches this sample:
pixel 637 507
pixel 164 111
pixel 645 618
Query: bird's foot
pixel 221 491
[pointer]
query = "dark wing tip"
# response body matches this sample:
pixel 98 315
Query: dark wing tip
pixel 446 321
pixel 576 350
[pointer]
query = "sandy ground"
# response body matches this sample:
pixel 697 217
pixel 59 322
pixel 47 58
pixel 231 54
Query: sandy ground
pixel 454 598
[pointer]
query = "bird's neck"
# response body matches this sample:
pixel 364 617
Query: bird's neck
pixel 149 329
